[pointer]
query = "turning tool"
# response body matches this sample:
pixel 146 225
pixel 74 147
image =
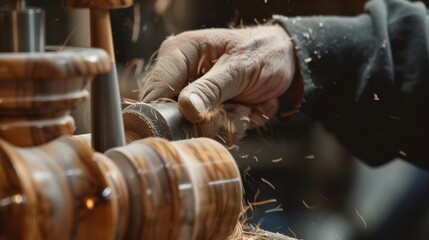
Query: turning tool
pixel 106 121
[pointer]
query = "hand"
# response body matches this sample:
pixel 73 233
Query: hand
pixel 207 68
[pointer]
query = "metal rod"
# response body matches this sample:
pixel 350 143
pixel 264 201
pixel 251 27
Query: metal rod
pixel 107 124
pixel 22 29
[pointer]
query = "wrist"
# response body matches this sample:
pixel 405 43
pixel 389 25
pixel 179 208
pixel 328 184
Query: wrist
pixel 290 101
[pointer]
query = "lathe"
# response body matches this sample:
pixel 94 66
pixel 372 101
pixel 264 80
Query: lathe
pixel 54 185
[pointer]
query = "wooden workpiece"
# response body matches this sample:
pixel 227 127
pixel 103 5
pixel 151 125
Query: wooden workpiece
pixel 38 91
pixel 61 190
pixel 55 63
pixel 150 189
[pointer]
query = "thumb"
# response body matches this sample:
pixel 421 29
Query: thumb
pixel 222 82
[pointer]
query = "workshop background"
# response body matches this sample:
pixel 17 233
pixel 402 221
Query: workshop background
pixel 325 193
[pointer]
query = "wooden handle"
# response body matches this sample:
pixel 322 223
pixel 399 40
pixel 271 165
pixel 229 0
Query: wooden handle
pixel 101 31
pixel 98 4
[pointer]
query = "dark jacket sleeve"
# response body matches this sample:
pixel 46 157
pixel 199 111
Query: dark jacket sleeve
pixel 366 78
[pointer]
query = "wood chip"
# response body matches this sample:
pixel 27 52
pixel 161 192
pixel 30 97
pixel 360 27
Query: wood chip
pixel 361 218
pixel 268 183
pixel 376 98
pixel 293 233
pixel 309 206
pixel 256 159
pixel 277 209
pixel 263 202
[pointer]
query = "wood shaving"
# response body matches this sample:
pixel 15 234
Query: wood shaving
pixel 361 218
pixel 268 183
pixel 273 200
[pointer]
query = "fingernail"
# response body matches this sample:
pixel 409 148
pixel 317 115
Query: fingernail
pixel 197 102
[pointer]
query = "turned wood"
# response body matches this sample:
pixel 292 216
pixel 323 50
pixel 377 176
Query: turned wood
pixel 150 189
pixel 150 198
pixel 38 91
pixel 218 181
pixel 61 190
pixel 55 63
pixel 193 186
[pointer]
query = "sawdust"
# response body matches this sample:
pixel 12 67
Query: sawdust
pixel 247 231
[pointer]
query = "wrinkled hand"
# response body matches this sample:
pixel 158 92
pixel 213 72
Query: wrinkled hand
pixel 206 68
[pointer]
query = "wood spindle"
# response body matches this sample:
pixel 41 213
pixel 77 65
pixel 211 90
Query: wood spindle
pixel 194 185
pixel 63 191
pixel 38 91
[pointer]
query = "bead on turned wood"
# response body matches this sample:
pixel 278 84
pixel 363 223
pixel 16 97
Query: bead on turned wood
pixel 38 90
pixel 193 186
pixel 61 190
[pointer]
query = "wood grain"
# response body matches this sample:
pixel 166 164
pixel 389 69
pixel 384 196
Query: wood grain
pixel 55 63
pixel 38 91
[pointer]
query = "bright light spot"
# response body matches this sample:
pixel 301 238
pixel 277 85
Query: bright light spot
pixel 89 203
pixel 17 199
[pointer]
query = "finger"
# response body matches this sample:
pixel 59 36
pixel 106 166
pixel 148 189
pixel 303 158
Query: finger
pixel 222 82
pixel 171 73
pixel 263 112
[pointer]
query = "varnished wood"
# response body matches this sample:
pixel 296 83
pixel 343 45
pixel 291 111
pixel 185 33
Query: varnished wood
pixel 62 191
pixel 28 132
pixel 193 186
pixel 150 195
pixel 55 63
pixel 221 184
pixel 38 91
pixel 189 189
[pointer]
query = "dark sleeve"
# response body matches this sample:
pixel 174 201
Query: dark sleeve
pixel 366 78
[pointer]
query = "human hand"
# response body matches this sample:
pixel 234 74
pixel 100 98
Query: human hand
pixel 207 68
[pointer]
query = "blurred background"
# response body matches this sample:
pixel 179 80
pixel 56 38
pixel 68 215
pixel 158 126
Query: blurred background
pixel 315 188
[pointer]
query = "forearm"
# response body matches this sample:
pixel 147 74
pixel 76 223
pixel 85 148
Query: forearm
pixel 365 78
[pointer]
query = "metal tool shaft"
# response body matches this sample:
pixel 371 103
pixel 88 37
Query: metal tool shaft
pixel 107 124
pixel 22 29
